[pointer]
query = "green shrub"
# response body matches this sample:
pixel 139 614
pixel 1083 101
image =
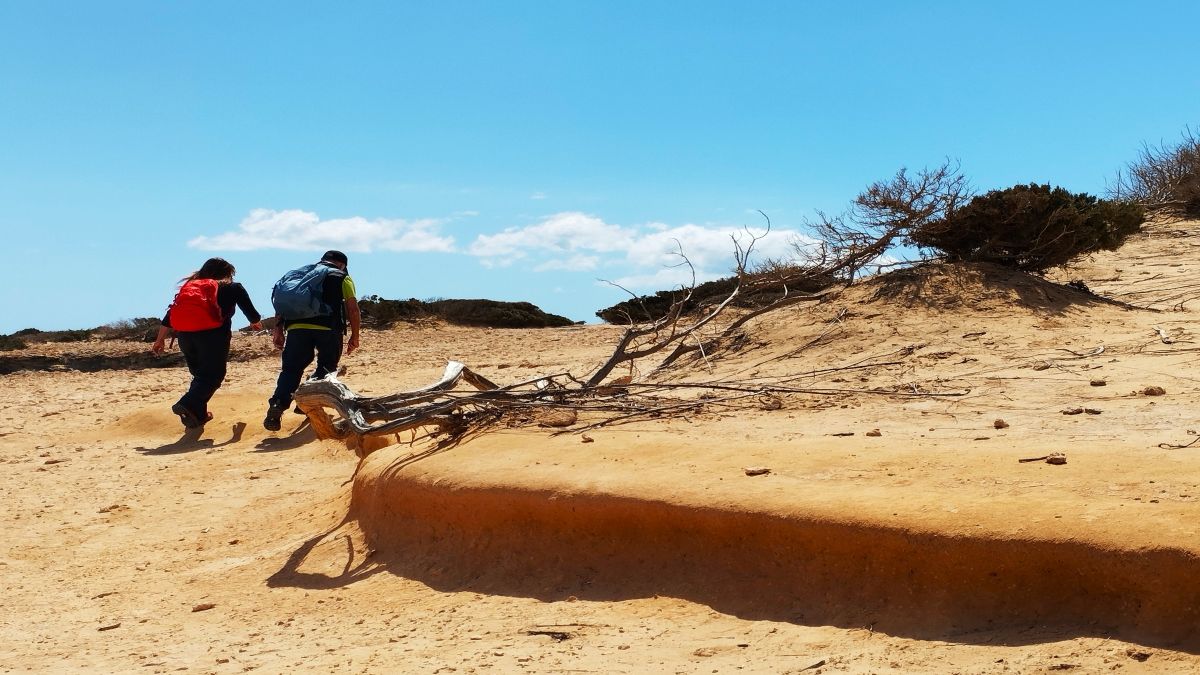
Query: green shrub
pixel 74 335
pixel 654 307
pixel 758 289
pixel 496 314
pixel 143 329
pixel 378 312
pixel 1030 227
pixel 12 342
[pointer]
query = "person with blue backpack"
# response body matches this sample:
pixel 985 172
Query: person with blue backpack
pixel 313 305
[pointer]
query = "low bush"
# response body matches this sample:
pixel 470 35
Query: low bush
pixel 143 329
pixel 758 289
pixel 74 335
pixel 496 314
pixel 1030 227
pixel 12 342
pixel 379 312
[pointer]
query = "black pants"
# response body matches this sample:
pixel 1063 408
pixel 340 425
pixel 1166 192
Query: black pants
pixel 206 352
pixel 298 351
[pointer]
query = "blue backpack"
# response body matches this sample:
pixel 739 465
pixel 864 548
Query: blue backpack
pixel 299 294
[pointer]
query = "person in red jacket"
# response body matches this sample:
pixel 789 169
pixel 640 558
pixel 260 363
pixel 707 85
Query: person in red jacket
pixel 202 318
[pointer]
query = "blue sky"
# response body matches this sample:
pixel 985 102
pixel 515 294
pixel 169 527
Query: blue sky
pixel 525 150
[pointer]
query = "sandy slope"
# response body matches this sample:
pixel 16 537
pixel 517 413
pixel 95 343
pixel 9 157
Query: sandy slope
pixel 927 548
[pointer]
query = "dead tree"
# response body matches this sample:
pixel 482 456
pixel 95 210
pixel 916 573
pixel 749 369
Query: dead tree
pixel 885 213
pixel 880 215
pixel 1163 178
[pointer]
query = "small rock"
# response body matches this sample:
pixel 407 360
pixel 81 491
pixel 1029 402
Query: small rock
pixel 756 470
pixel 1000 424
pixel 770 402
pixel 874 432
pixel 555 418
pixel 118 625
pixel 586 439
pixel 1137 655
pixel 204 606
pixel 1098 383
pixel 1092 411
pixel 1154 391
pixel 1056 458
pixel 1073 411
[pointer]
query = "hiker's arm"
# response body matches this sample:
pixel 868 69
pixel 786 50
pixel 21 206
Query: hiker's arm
pixel 352 314
pixel 160 341
pixel 243 302
pixel 277 333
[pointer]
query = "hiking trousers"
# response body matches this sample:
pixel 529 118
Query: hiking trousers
pixel 298 350
pixel 206 353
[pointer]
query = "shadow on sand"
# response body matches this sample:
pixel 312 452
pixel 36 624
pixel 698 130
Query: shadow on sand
pixel 191 441
pixel 301 435
pixel 354 568
pixel 761 566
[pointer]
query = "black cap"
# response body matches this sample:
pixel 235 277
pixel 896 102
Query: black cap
pixel 335 256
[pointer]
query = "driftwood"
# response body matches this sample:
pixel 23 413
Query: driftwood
pixel 442 413
pixel 562 401
pixel 365 423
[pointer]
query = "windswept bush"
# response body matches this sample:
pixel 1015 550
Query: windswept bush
pixel 1164 177
pixel 1030 227
pixel 142 329
pixel 759 288
pixel 378 312
pixel 653 307
pixel 496 314
pixel 73 335
pixel 12 342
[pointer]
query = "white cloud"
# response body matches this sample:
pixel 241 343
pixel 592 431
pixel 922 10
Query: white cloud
pixel 297 230
pixel 562 232
pixel 649 253
pixel 642 258
pixel 662 279
pixel 576 263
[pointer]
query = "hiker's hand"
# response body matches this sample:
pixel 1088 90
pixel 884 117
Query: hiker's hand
pixel 352 344
pixel 277 337
pixel 257 325
pixel 158 347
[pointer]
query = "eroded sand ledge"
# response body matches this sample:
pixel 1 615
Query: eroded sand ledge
pixel 756 561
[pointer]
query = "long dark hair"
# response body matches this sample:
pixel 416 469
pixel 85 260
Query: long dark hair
pixel 213 268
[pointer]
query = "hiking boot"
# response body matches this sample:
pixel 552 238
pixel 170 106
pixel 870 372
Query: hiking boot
pixel 186 416
pixel 272 421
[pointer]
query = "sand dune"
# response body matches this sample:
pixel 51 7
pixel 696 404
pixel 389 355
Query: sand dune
pixel 926 548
